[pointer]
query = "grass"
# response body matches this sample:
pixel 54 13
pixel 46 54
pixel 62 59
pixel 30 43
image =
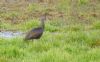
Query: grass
pixel 67 37
pixel 57 47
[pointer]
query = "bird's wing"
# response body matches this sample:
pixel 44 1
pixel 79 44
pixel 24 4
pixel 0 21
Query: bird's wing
pixel 33 34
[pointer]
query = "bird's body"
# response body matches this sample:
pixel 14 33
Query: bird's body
pixel 36 33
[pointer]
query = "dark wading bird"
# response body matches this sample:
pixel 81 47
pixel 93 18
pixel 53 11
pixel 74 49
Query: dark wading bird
pixel 36 33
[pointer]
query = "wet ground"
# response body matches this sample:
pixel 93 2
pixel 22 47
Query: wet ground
pixel 10 34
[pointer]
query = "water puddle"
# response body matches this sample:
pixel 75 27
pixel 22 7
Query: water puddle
pixel 10 34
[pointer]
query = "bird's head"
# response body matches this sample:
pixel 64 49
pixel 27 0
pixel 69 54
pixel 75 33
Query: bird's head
pixel 43 17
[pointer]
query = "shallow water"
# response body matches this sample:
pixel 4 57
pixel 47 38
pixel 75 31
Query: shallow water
pixel 10 34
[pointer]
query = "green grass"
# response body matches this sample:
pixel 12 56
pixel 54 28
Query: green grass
pixel 70 38
pixel 52 47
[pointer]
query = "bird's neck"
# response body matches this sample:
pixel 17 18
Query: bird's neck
pixel 42 20
pixel 42 24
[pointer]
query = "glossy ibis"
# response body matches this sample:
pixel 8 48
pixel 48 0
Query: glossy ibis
pixel 36 33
